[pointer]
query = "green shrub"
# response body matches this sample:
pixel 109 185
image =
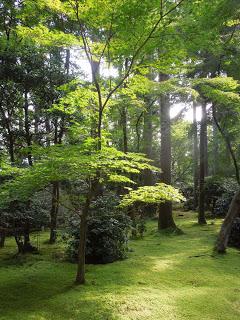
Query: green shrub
pixel 107 232
pixel 218 194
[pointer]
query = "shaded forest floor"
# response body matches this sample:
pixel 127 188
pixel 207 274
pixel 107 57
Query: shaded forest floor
pixel 165 277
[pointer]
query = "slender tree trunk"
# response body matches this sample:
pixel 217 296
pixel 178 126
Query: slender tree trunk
pixel 206 147
pixel 36 123
pixel 23 241
pixel 27 128
pixel 80 277
pixel 54 212
pixel 55 131
pixel 233 212
pixel 123 112
pixel 195 156
pixel 20 244
pixel 7 125
pixel 61 129
pixel 138 131
pixel 203 133
pixel 124 128
pixel 2 238
pixel 165 217
pixel 215 168
pixel 58 134
pixel 228 145
pixel 26 236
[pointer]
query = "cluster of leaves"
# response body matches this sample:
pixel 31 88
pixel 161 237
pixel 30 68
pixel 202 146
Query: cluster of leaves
pixel 73 162
pixel 223 91
pixel 156 194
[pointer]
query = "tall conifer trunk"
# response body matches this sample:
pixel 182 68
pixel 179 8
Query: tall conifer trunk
pixel 215 167
pixel 195 156
pixel 80 277
pixel 202 169
pixel 54 212
pixel 165 218
pixel 124 129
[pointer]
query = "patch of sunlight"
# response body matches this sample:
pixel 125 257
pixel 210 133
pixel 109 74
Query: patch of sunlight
pixel 162 265
pixel 147 305
pixel 38 317
pixel 135 310
pixel 234 304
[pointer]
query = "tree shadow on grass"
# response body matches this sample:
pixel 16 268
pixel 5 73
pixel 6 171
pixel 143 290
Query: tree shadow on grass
pixel 46 291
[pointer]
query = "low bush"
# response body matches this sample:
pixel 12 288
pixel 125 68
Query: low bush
pixel 229 187
pixel 107 232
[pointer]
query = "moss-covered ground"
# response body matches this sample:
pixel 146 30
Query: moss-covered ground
pixel 165 277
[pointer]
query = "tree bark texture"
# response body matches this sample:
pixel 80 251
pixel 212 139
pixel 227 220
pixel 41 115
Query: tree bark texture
pixel 165 217
pixel 80 277
pixel 233 212
pixel 202 171
pixel 123 112
pixel 54 212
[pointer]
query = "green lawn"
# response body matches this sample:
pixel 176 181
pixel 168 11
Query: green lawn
pixel 165 277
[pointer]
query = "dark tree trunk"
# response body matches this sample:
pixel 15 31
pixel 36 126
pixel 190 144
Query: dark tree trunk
pixel 7 125
pixel 123 113
pixel 54 212
pixel 195 156
pixel 233 212
pixel 26 237
pixel 23 241
pixel 36 124
pixel 215 167
pixel 2 239
pixel 20 244
pixel 124 128
pixel 80 277
pixel 165 217
pixel 58 135
pixel 203 133
pixel 206 149
pixel 61 129
pixel 138 131
pixel 55 131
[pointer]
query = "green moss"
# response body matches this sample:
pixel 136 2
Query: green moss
pixel 165 277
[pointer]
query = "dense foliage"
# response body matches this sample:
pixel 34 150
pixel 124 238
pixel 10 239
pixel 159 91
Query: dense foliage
pixel 107 232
